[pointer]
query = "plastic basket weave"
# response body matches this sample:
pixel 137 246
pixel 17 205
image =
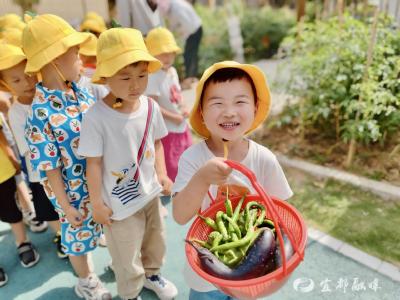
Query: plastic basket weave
pixel 282 213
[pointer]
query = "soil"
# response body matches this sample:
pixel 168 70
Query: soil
pixel 374 161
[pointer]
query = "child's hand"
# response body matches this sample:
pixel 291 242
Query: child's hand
pixel 102 214
pixel 185 111
pixel 73 216
pixel 178 119
pixel 215 171
pixel 166 184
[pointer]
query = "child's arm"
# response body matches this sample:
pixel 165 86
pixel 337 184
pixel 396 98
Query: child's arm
pixel 187 202
pixel 94 172
pixel 57 185
pixel 161 170
pixel 169 115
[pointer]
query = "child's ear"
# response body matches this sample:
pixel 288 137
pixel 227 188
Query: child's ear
pixel 256 106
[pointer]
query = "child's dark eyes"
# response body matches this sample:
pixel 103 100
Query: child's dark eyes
pixel 125 78
pixel 16 81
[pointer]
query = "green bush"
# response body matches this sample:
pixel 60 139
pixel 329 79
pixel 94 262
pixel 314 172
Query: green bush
pixel 263 30
pixel 327 65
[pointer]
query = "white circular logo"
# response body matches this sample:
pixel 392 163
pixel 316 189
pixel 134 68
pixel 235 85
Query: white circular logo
pixel 303 285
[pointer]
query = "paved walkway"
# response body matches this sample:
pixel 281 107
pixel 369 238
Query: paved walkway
pixel 52 278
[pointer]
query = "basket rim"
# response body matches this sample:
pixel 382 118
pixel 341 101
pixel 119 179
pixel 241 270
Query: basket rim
pixel 291 263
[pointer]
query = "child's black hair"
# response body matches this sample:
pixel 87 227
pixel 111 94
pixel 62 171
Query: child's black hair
pixel 229 74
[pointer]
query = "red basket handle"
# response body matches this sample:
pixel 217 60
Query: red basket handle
pixel 270 206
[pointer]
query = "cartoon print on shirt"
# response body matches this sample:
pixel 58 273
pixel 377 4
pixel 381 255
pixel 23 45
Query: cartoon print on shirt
pixel 127 185
pixel 56 103
pixel 34 152
pixel 65 158
pixel 48 132
pixel 72 111
pixel 34 135
pixel 41 113
pixel 60 135
pixel 57 120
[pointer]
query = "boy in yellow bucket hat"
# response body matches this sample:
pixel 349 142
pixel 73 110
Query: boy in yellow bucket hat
pixel 165 89
pixel 14 80
pixel 10 56
pixel 121 139
pixel 232 100
pixel 53 132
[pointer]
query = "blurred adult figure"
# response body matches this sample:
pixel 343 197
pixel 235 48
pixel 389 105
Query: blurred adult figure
pixel 143 15
pixel 183 20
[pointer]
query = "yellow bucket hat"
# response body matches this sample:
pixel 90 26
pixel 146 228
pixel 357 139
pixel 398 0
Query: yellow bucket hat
pixel 46 37
pixel 95 16
pixel 119 47
pixel 93 25
pixel 12 36
pixel 263 95
pixel 161 40
pixel 11 20
pixel 89 47
pixel 10 56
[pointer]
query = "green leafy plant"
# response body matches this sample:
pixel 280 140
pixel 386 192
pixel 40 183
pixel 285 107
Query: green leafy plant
pixel 263 30
pixel 327 64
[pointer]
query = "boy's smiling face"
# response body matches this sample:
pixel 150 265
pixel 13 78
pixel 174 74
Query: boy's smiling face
pixel 130 82
pixel 228 109
pixel 20 83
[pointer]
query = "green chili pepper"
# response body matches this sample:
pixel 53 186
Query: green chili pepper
pixel 221 225
pixel 210 222
pixel 238 207
pixel 228 206
pixel 233 225
pixel 243 241
pixel 204 244
pixel 215 238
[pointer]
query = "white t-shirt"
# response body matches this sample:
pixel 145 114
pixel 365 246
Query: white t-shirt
pixel 117 137
pixel 182 18
pixel 17 115
pixel 165 85
pixel 99 91
pixel 259 159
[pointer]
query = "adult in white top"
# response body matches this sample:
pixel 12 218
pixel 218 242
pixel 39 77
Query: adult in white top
pixel 183 19
pixel 143 15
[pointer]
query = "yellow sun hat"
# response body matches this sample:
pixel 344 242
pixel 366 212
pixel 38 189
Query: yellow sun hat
pixel 118 48
pixel 160 40
pixel 95 16
pixel 89 47
pixel 11 20
pixel 46 37
pixel 12 36
pixel 93 25
pixel 10 56
pixel 263 95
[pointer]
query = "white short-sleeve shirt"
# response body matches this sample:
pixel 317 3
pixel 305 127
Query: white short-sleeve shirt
pixel 165 85
pixel 17 115
pixel 116 137
pixel 259 159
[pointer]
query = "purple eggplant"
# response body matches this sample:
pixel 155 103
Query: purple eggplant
pixel 258 261
pixel 288 248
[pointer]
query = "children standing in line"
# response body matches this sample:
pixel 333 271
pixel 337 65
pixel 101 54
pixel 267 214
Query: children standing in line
pixel 232 99
pixel 53 132
pixel 22 86
pixel 9 211
pixel 126 169
pixel 165 89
